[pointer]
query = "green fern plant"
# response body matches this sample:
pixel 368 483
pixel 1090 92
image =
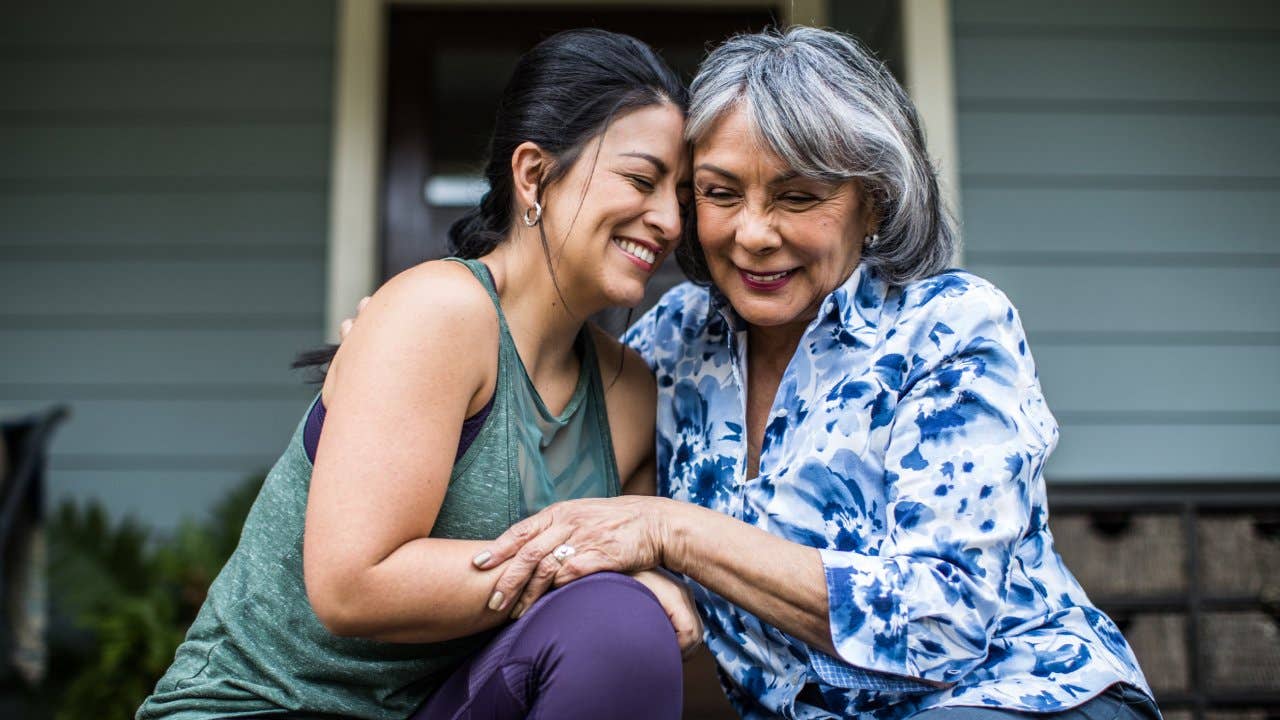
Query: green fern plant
pixel 131 598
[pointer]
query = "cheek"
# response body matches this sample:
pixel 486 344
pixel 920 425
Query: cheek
pixel 715 227
pixel 826 235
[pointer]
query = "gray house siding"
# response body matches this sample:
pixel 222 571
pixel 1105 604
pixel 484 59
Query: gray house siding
pixel 1120 169
pixel 163 219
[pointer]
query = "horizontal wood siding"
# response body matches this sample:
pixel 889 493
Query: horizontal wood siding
pixel 163 218
pixel 1121 182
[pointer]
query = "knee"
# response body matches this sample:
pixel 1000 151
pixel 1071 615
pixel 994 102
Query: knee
pixel 603 646
pixel 616 617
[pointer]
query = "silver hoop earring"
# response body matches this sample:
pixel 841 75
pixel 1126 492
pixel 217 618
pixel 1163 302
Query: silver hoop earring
pixel 870 240
pixel 537 214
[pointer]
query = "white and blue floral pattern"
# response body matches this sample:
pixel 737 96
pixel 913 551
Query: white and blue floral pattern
pixel 906 443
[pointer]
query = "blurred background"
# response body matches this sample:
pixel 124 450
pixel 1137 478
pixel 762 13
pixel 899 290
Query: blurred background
pixel 192 192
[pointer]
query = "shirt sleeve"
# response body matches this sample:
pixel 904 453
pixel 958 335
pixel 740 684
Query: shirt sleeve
pixel 967 439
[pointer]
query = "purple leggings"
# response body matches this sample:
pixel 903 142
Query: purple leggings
pixel 598 647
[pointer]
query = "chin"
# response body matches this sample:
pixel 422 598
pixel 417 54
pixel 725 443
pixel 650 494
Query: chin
pixel 626 293
pixel 765 313
pixel 628 299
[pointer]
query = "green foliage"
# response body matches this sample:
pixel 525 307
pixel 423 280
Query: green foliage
pixel 132 598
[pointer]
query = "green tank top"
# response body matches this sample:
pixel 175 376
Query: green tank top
pixel 256 647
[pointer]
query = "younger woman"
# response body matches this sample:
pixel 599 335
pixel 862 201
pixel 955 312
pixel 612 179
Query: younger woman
pixel 471 395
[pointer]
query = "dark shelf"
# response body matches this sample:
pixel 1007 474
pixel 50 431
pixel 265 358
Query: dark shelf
pixel 1115 512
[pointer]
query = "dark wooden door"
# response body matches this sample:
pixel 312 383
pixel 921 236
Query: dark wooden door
pixel 446 69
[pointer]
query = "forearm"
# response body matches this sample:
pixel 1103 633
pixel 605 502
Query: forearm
pixel 427 590
pixel 778 581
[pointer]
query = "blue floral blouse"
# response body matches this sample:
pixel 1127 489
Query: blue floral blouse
pixel 906 443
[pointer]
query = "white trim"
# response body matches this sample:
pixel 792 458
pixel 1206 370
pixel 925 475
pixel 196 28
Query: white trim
pixel 805 12
pixel 356 158
pixel 930 69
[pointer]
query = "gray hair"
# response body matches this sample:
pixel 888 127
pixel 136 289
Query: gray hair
pixel 831 110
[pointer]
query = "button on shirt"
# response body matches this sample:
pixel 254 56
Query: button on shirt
pixel 906 443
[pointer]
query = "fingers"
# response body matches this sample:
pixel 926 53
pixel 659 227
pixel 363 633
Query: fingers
pixel 528 563
pixel 509 543
pixel 585 562
pixel 689 635
pixel 344 328
pixel 679 607
pixel 543 575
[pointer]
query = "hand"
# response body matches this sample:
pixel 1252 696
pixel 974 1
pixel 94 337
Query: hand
pixel 344 328
pixel 674 597
pixel 622 534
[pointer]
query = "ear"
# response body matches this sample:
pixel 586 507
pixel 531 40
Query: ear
pixel 529 164
pixel 867 214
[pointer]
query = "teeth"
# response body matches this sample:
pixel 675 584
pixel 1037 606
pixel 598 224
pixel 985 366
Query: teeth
pixel 638 250
pixel 767 278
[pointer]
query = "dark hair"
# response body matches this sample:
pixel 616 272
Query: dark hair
pixel 562 94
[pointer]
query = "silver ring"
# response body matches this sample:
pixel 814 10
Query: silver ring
pixel 563 553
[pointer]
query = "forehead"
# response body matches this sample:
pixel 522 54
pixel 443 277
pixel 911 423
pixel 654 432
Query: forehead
pixel 655 130
pixel 733 143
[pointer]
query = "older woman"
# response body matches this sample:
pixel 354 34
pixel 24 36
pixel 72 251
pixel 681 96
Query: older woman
pixel 850 436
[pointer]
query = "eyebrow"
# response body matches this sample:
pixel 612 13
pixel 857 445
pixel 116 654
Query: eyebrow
pixel 719 171
pixel 777 179
pixel 657 162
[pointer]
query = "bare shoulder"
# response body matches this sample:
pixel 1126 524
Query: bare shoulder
pixel 431 315
pixel 441 290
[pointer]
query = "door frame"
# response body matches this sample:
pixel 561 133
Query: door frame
pixel 360 76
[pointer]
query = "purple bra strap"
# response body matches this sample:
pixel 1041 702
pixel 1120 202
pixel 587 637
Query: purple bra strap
pixel 315 423
pixel 470 427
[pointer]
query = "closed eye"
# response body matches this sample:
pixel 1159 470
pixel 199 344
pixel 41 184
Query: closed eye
pixel 641 182
pixel 718 194
pixel 799 199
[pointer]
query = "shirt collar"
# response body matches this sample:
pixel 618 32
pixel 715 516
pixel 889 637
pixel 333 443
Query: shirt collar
pixel 855 304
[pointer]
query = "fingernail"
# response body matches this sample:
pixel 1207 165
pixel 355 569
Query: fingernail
pixel 495 602
pixel 518 611
pixel 481 559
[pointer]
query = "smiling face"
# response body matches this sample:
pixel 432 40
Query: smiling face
pixel 616 215
pixel 776 243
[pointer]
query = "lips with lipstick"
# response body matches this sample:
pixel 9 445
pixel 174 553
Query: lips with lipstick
pixel 643 254
pixel 765 281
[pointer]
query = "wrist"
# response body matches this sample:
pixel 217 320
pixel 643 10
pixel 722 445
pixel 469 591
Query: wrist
pixel 673 534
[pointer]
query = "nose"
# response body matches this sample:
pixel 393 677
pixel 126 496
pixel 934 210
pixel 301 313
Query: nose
pixel 756 233
pixel 663 217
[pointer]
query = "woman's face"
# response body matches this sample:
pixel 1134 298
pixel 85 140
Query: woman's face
pixel 618 209
pixel 776 243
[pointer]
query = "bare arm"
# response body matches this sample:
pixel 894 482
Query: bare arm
pixel 397 394
pixel 781 582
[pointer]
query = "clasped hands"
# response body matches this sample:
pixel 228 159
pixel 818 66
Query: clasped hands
pixel 621 534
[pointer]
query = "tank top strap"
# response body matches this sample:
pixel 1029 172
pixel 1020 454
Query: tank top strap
pixel 485 277
pixel 600 412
